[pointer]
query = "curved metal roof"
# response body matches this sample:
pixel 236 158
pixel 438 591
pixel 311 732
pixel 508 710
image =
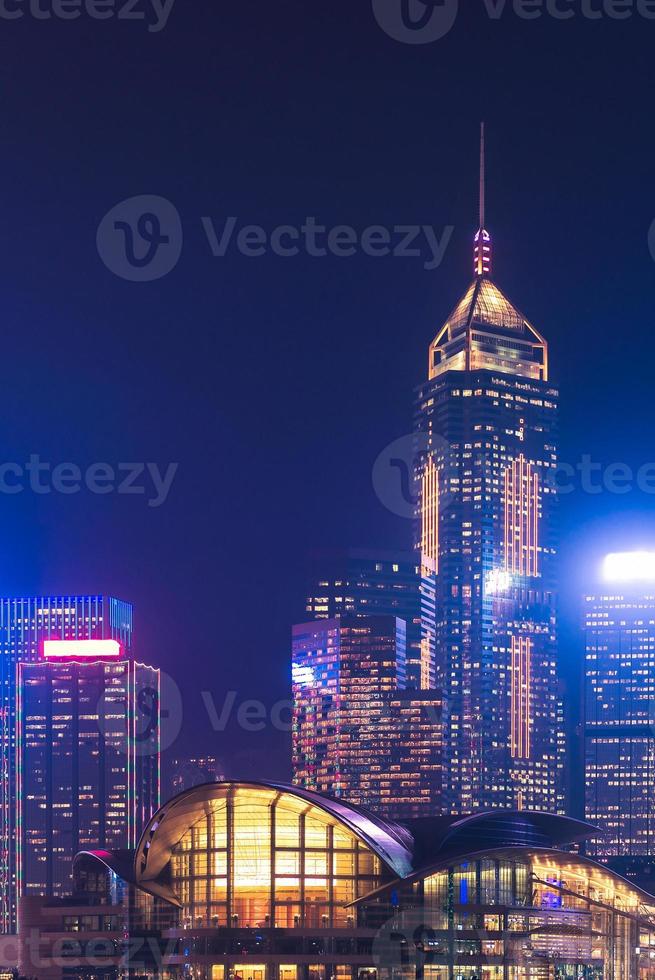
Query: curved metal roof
pixel 511 852
pixel 121 863
pixel 516 827
pixel 390 841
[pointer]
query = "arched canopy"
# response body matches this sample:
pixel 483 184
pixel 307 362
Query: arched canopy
pixel 389 841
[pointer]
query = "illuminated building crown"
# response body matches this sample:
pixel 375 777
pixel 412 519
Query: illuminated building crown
pixel 485 330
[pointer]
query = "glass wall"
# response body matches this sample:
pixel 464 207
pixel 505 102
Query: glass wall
pixel 501 917
pixel 260 858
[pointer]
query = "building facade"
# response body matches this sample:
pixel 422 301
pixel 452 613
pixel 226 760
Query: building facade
pixel 88 773
pixel 262 881
pixel 486 435
pixel 187 772
pixel 364 582
pixel 619 718
pixel 358 732
pixel 25 623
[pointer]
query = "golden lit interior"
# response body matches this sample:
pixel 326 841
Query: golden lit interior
pixel 260 857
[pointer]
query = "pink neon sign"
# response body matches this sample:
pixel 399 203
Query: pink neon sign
pixel 81 649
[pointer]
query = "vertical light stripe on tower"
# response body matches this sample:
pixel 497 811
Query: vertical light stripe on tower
pixel 520 697
pixel 430 519
pixel 521 523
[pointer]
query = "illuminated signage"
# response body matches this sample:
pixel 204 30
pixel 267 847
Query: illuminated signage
pixel 81 649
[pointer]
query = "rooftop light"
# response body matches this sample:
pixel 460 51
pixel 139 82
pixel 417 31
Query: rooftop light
pixel 630 566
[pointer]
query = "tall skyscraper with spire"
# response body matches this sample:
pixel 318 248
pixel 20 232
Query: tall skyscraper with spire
pixel 486 424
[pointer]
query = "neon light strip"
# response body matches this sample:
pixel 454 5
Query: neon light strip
pixel 19 781
pixel 76 649
pixel 521 524
pixel 430 519
pixel 521 694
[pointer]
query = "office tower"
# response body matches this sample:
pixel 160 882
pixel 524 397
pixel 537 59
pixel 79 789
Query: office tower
pixel 24 625
pixel 619 705
pixel 361 582
pixel 185 773
pixel 358 733
pixel 486 431
pixel 88 757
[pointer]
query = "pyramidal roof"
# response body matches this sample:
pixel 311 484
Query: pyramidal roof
pixel 484 303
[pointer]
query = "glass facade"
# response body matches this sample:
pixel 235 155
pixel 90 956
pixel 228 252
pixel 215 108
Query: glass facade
pixel 88 764
pixel 358 733
pixel 359 582
pixel 620 722
pixel 505 917
pixel 264 859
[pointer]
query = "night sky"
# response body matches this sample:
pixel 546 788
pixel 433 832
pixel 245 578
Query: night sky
pixel 275 382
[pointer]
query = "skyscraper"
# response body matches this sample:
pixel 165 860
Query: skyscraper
pixel 88 758
pixel 25 623
pixel 366 582
pixel 358 733
pixel 486 426
pixel 619 722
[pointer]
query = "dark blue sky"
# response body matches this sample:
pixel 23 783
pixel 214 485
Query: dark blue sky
pixel 275 382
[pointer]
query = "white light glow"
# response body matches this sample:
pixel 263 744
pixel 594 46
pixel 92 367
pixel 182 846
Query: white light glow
pixel 498 581
pixel 80 649
pixel 303 676
pixel 630 566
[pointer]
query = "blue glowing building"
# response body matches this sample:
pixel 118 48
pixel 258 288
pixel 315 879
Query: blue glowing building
pixel 25 624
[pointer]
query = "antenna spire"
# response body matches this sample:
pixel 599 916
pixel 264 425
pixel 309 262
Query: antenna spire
pixel 482 175
pixel 482 241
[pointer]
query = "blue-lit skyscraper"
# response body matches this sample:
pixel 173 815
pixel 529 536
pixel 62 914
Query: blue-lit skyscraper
pixel 619 717
pixel 486 426
pixel 88 758
pixel 25 623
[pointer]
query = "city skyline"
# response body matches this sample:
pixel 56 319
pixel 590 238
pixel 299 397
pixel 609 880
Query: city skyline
pixel 98 369
pixel 327 481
